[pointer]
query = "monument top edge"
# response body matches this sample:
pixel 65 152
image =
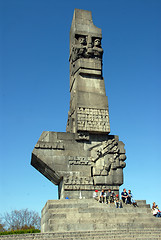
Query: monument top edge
pixel 82 22
pixel 81 13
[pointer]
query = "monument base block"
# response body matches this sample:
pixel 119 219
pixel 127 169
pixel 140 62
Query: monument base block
pixel 69 215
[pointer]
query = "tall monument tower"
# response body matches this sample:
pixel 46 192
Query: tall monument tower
pixel 88 101
pixel 85 157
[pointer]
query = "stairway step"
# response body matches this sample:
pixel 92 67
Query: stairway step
pixel 98 219
pixel 115 210
pixel 101 226
pixel 89 235
pixel 105 208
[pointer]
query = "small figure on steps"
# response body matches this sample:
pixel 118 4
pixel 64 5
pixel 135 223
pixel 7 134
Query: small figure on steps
pixel 155 210
pixel 95 195
pixel 118 203
pixel 102 196
pixel 124 196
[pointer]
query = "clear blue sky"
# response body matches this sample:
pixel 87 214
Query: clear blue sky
pixel 34 90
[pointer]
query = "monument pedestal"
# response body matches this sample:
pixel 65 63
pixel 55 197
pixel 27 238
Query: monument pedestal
pixel 69 215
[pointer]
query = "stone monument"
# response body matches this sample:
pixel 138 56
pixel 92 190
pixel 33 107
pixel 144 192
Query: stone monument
pixel 85 157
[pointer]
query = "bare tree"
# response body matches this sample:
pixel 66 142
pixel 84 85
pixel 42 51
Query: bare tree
pixel 22 219
pixel 2 228
pixel 2 225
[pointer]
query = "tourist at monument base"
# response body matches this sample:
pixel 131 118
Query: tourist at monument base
pixel 95 195
pixel 155 210
pixel 124 196
pixel 118 202
pixel 102 196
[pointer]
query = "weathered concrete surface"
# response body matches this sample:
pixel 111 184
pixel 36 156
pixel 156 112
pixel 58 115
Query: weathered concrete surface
pixel 86 157
pixel 88 214
pixel 80 167
pixel 88 101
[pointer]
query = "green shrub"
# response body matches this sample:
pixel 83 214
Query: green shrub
pixel 20 231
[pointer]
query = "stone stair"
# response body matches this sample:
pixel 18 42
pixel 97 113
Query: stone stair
pixel 89 215
pixel 90 235
pixel 88 219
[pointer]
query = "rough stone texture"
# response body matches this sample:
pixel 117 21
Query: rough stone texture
pixel 146 234
pixel 88 103
pixel 90 215
pixel 80 166
pixel 142 234
pixel 86 157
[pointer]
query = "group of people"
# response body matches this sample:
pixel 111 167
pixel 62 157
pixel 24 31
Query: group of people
pixel 110 197
pixel 155 210
pixel 127 197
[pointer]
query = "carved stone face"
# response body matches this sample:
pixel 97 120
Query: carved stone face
pixel 82 40
pixel 97 42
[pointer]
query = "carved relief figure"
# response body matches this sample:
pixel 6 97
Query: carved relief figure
pixel 79 49
pixel 94 48
pixel 107 159
pixel 86 47
pixel 97 50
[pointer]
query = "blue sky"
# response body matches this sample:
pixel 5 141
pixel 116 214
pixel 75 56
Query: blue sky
pixel 34 90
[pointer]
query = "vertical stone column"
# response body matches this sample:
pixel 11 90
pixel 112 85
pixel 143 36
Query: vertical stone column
pixel 88 101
